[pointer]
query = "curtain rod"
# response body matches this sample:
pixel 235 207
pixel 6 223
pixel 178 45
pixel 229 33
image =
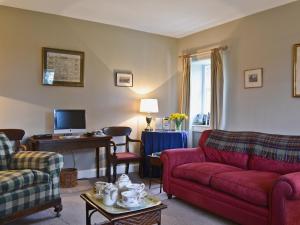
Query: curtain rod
pixel 204 51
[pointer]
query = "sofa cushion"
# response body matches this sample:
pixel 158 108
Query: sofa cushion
pixel 11 180
pixel 201 172
pixel 226 147
pixel 277 166
pixel 251 185
pixel 6 151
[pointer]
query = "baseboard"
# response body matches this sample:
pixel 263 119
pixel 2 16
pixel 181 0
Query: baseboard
pixel 91 173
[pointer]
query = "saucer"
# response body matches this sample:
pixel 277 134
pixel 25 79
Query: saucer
pixel 122 205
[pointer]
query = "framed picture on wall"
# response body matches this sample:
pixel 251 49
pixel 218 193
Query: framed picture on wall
pixel 62 67
pixel 253 78
pixel 124 79
pixel 296 70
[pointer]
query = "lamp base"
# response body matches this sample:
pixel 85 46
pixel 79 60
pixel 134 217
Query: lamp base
pixel 148 120
pixel 148 129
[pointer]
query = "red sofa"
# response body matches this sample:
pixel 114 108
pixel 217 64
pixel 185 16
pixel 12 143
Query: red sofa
pixel 250 178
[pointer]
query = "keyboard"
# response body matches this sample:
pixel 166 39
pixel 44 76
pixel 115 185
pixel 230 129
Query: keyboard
pixel 70 137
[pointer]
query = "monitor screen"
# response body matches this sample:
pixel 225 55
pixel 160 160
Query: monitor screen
pixel 69 120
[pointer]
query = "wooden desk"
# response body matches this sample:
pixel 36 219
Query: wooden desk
pixel 58 144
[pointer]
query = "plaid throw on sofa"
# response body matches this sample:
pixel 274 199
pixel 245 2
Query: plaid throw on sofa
pixel 230 141
pixel 6 151
pixel 269 146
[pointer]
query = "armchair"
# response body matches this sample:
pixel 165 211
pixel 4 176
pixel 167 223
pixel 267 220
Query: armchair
pixel 127 156
pixel 29 181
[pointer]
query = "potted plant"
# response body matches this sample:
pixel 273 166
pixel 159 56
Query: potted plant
pixel 178 118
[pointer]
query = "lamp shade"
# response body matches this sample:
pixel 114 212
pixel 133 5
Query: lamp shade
pixel 149 105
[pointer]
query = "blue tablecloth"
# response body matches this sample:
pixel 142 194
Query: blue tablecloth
pixel 157 141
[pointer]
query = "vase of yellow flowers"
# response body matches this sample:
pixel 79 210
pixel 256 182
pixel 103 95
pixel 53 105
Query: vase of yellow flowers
pixel 178 118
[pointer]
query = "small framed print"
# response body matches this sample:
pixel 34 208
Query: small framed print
pixel 253 78
pixel 124 79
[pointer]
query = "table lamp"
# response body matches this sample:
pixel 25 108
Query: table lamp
pixel 149 106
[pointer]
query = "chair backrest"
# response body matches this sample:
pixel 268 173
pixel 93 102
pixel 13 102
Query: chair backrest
pixel 15 135
pixel 117 131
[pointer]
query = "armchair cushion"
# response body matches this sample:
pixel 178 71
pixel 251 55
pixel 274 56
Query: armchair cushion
pixel 6 150
pixel 12 180
pixel 48 162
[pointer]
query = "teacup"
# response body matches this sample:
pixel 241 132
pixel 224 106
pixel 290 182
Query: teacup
pixel 130 198
pixel 99 186
pixel 136 187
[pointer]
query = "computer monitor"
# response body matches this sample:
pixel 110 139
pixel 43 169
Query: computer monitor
pixel 68 121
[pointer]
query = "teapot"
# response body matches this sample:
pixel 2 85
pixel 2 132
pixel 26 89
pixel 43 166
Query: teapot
pixel 110 194
pixel 123 182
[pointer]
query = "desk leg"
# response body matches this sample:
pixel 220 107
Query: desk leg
pixel 97 162
pixel 108 164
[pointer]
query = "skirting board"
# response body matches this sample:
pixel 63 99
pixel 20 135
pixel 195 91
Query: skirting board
pixel 91 173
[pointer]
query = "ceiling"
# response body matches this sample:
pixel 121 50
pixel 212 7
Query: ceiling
pixel 174 18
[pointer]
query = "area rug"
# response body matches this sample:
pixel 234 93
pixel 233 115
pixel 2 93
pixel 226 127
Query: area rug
pixel 177 213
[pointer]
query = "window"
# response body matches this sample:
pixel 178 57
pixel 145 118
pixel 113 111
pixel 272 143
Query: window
pixel 200 91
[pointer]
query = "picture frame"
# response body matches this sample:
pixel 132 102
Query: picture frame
pixel 158 123
pixel 62 67
pixel 253 78
pixel 296 70
pixel 124 79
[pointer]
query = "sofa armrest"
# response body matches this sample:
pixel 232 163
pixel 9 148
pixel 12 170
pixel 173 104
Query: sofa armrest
pixel 285 194
pixel 292 190
pixel 48 162
pixel 172 158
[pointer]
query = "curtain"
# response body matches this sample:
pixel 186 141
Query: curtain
pixel 184 100
pixel 217 82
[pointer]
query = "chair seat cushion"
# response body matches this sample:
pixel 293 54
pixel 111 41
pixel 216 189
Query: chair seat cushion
pixel 11 180
pixel 251 185
pixel 127 156
pixel 202 172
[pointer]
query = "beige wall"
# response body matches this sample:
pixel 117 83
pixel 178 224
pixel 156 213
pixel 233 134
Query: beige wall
pixel 261 40
pixel 25 103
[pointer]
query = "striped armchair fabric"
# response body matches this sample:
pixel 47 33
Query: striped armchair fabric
pixel 47 162
pixel 28 179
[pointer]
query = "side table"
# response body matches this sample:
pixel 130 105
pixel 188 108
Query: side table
pixel 157 141
pixel 154 161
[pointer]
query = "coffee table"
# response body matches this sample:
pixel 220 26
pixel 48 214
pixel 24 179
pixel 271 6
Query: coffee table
pixel 148 216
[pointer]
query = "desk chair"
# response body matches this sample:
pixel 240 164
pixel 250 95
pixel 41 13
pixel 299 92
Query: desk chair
pixel 15 135
pixel 125 157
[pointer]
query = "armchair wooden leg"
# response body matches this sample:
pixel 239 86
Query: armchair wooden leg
pixel 58 208
pixel 127 168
